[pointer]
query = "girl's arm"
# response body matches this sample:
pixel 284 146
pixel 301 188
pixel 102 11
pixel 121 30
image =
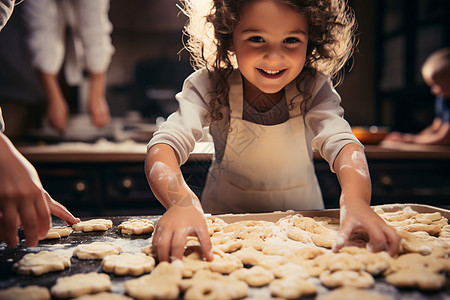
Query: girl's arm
pixel 356 214
pixel 184 216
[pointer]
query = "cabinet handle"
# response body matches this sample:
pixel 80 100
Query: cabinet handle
pixel 80 186
pixel 126 183
pixel 386 180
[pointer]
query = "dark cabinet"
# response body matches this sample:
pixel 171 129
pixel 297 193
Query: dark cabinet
pixel 121 188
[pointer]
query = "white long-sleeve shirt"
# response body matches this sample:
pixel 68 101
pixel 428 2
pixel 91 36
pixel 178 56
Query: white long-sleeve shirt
pixel 326 130
pixel 89 46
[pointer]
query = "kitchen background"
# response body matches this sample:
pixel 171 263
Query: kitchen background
pixel 384 88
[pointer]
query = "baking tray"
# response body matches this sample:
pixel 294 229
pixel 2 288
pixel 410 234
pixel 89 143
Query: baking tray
pixel 134 243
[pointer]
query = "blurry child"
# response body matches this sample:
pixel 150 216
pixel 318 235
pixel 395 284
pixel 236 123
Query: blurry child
pixel 436 74
pixel 264 90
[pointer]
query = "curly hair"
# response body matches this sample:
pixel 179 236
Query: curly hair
pixel 210 29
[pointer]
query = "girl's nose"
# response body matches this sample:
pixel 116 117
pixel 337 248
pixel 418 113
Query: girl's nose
pixel 273 53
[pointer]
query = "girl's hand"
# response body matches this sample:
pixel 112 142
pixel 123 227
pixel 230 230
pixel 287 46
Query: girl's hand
pixel 177 223
pixel 382 237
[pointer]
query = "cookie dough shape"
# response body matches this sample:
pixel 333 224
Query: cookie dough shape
pixel 206 284
pixel 96 250
pixel 353 293
pixel 128 264
pixel 425 280
pixel 104 296
pixel 359 279
pixel 162 283
pixel 291 288
pixel 81 284
pixel 137 226
pixel 255 276
pixel 93 225
pixel 58 232
pixel 32 292
pixel 42 262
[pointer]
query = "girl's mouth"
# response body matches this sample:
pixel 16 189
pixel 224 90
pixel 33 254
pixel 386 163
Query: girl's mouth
pixel 271 74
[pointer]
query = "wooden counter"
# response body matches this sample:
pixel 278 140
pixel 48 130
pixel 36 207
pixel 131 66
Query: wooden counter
pixel 105 151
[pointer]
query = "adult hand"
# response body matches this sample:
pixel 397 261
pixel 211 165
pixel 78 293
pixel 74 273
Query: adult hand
pixel 97 104
pixel 23 201
pixel 172 229
pixel 57 113
pixel 99 110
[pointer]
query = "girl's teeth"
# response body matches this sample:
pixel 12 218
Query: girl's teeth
pixel 271 72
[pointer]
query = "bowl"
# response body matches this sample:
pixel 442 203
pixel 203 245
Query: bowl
pixel 371 135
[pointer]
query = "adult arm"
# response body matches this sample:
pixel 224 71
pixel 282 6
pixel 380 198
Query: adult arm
pixel 23 201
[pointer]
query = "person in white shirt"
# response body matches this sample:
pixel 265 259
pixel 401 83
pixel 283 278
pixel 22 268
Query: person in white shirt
pixel 85 46
pixel 264 90
pixel 23 200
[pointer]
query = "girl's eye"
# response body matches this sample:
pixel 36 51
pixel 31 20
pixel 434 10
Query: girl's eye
pixel 291 40
pixel 256 39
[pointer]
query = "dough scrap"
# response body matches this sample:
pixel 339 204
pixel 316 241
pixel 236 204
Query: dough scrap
pixel 352 293
pixel 224 263
pixel 93 225
pixel 41 262
pixel 136 226
pixel 81 284
pixel 428 218
pixel 31 292
pixel 95 250
pixel 58 232
pixel 291 288
pixel 253 257
pixel 128 264
pixel 104 296
pixel 215 224
pixel 161 283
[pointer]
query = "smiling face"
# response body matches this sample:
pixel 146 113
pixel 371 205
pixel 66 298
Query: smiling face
pixel 270 43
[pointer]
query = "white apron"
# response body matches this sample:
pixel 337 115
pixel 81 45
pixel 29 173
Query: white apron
pixel 264 168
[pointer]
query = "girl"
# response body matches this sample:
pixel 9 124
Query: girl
pixel 264 90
